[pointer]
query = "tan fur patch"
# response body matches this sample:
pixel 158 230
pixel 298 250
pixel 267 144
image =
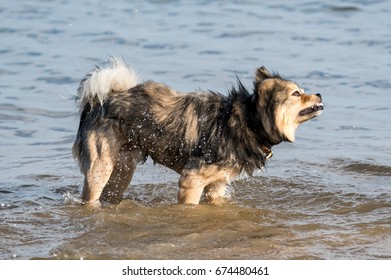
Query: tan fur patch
pixel 285 122
pixel 192 182
pixel 191 132
pixel 169 107
pixel 101 166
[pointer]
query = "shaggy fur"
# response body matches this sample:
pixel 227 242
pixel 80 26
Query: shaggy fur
pixel 207 137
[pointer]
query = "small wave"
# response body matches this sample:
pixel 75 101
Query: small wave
pixel 60 80
pixel 362 208
pixel 385 84
pixel 33 111
pixel 371 169
pixel 363 167
pixel 164 46
pixel 344 9
pixel 72 198
pixel 323 75
pixel 4 205
pixel 241 34
pixel 40 177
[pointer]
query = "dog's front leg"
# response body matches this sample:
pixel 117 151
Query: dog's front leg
pixel 192 182
pixel 198 176
pixel 215 193
pixel 191 187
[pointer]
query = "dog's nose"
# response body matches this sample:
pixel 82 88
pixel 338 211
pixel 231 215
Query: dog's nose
pixel 319 95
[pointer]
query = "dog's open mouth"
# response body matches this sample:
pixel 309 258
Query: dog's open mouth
pixel 318 107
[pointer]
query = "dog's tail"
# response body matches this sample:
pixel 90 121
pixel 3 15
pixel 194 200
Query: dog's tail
pixel 101 81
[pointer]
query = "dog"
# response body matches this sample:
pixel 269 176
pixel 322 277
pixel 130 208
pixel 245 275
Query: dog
pixel 207 137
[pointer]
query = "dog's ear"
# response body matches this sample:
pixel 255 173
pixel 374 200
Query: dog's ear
pixel 262 74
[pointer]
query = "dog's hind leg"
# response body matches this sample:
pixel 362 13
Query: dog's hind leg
pixel 99 162
pixel 120 178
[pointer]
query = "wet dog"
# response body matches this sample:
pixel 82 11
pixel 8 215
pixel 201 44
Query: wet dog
pixel 207 137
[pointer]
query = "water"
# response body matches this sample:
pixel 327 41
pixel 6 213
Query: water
pixel 327 196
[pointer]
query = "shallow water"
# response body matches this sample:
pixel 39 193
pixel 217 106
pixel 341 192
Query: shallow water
pixel 327 196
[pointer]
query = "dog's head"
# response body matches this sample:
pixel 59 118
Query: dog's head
pixel 283 105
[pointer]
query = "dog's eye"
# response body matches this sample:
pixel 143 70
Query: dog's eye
pixel 296 93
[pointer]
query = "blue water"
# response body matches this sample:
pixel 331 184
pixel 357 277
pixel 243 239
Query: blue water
pixel 325 196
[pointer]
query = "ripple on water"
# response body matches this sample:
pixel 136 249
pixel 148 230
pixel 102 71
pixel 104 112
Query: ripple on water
pixel 365 168
pixel 188 232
